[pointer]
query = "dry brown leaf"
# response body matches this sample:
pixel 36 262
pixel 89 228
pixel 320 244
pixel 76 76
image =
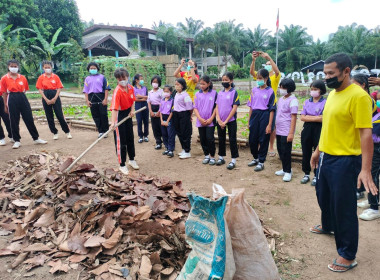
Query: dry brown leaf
pixel 66 164
pixel 175 215
pixel 167 271
pixel 22 202
pixel 37 247
pixel 114 239
pixel 77 258
pixel 46 219
pixel 58 266
pixel 100 269
pixel 5 232
pixel 145 267
pixel 155 258
pixel 76 245
pixel 143 213
pixel 15 247
pixel 41 176
pixel 6 252
pixel 20 258
pixel 36 261
pixel 94 241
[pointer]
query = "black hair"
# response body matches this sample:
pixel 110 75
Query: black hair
pixel 158 80
pixel 121 73
pixel 182 82
pixel 47 62
pixel 288 84
pixel 230 76
pixel 135 78
pixel 13 61
pixel 207 80
pixel 342 61
pixel 169 87
pixel 362 79
pixel 265 74
pixel 319 84
pixel 93 64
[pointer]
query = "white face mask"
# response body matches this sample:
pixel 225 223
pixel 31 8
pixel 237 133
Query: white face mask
pixel 283 91
pixel 155 85
pixel 47 71
pixel 123 83
pixel 13 70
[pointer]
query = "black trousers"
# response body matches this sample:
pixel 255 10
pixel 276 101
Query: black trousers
pixel 206 135
pixel 156 125
pixel 183 128
pixel 168 134
pixel 18 105
pixel 232 130
pixel 56 109
pixel 309 141
pixel 336 192
pixel 99 111
pixel 124 139
pixel 374 200
pixel 6 121
pixel 142 118
pixel 284 149
pixel 257 136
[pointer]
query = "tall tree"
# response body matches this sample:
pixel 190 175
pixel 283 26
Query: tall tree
pixel 203 41
pixel 191 28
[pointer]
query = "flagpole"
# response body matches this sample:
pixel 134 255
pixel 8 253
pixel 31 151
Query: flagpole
pixel 278 14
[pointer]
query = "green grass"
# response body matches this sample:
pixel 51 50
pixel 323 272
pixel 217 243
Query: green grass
pixel 73 111
pixel 68 87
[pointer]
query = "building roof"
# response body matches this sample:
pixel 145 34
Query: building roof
pixel 213 61
pixel 124 28
pixel 314 66
pixel 90 43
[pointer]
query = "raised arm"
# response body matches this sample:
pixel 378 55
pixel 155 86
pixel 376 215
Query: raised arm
pixel 177 72
pixel 274 66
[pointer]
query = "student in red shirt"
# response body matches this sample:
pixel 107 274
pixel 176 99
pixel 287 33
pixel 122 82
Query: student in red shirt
pixel 121 107
pixel 13 87
pixel 49 86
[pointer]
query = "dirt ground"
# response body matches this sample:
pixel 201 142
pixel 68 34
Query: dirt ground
pixel 289 208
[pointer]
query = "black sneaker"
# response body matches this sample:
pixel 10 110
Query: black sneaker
pixel 158 147
pixel 314 182
pixel 253 163
pixel 140 140
pixel 231 166
pixel 212 162
pixel 220 162
pixel 259 167
pixel 165 152
pixel 206 160
pixel 305 179
pixel 170 154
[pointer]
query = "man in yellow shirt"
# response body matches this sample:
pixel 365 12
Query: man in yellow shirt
pixel 275 77
pixel 345 155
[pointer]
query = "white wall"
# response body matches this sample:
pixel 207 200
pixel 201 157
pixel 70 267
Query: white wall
pixel 119 35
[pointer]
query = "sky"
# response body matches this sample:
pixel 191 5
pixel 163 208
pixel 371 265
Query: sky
pixel 320 17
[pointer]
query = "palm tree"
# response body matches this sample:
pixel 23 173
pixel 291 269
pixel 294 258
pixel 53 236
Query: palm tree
pixel 257 40
pixel 167 34
pixel 293 46
pixel 203 41
pixel 191 28
pixel 318 51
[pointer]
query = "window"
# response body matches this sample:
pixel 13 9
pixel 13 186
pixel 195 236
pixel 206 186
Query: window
pixel 143 43
pixel 130 37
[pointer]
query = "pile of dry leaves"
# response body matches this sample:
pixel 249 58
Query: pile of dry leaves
pixel 115 227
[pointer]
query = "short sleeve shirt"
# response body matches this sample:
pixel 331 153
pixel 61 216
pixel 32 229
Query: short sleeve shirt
pixel 8 84
pixel 122 99
pixel 49 83
pixel 205 104
pixel 95 84
pixel 189 83
pixel 286 107
pixel 262 99
pixel 166 106
pixel 155 97
pixel 143 91
pixel 345 113
pixel 311 108
pixel 225 101
pixel 182 102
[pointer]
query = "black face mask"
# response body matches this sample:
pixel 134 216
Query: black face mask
pixel 226 84
pixel 334 83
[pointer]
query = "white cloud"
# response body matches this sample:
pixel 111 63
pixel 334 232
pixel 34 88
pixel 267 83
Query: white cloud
pixel 320 17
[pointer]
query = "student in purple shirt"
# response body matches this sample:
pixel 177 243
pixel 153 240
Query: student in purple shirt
pixel 261 114
pixel 311 115
pixel 204 109
pixel 141 93
pixel 287 109
pixel 96 90
pixel 182 111
pixel 226 107
pixel 168 131
pixel 154 101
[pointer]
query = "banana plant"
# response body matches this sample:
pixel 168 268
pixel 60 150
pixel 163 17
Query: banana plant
pixel 48 49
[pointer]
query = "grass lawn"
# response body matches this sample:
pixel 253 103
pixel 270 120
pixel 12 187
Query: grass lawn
pixel 68 87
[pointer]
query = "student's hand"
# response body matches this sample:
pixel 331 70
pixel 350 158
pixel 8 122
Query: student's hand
pixel 88 103
pixel 365 178
pixel 268 130
pixel 105 102
pixel 290 137
pixel 6 109
pixel 52 101
pixel 162 123
pixel 131 114
pixel 166 123
pixel 265 55
pixel 314 160
pixel 255 54
pixel 152 114
pixel 202 121
pixel 158 114
pixel 374 81
pixel 221 124
pixel 112 126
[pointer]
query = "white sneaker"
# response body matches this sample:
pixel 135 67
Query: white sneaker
pixel 12 141
pixel 100 135
pixel 40 141
pixel 364 204
pixel 2 142
pixel 124 170
pixel 69 136
pixel 287 177
pixel 55 137
pixel 369 215
pixel 181 153
pixel 280 173
pixel 133 164
pixel 16 145
pixel 185 155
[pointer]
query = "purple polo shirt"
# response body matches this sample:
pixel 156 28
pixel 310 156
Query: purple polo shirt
pixel 375 137
pixel 204 102
pixel 261 99
pixel 225 102
pixel 311 108
pixel 143 91
pixel 95 84
pixel 155 97
pixel 285 109
pixel 182 102
pixel 166 106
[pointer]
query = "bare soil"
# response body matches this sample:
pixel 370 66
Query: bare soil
pixel 289 208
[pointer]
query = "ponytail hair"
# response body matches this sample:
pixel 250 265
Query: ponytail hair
pixel 362 79
pixel 207 80
pixel 136 77
pixel 265 74
pixel 230 76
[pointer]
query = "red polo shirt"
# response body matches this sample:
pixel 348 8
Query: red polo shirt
pixel 8 84
pixel 53 82
pixel 122 99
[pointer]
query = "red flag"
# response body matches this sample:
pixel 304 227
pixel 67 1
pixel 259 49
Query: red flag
pixel 278 20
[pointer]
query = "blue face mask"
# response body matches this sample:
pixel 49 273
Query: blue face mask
pixel 188 68
pixel 260 83
pixel 378 103
pixel 141 82
pixel 268 67
pixel 93 71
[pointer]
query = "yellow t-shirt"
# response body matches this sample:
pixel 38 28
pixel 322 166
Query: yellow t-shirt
pixel 190 84
pixel 344 113
pixel 275 81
